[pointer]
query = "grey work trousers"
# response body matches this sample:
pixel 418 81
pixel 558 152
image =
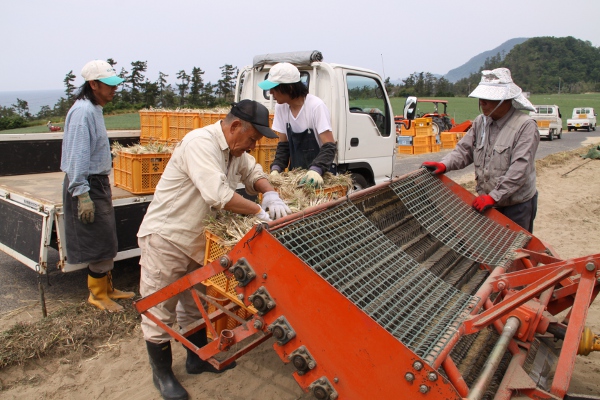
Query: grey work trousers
pixel 162 263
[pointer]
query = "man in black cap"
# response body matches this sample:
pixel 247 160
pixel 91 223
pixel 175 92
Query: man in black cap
pixel 199 180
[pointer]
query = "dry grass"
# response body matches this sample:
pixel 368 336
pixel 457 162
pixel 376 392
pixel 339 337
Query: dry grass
pixel 231 227
pixel 73 332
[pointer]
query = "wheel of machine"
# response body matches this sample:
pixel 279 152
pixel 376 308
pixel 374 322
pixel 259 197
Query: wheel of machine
pixel 551 134
pixel 359 182
pixel 437 125
pixel 588 128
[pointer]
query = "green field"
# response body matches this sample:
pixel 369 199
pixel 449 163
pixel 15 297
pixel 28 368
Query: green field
pixel 463 108
pixel 113 122
pixel 459 108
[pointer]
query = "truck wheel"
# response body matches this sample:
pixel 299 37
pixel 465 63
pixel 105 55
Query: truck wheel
pixel 594 128
pixel 359 182
pixel 588 128
pixel 559 133
pixel 569 129
pixel 551 134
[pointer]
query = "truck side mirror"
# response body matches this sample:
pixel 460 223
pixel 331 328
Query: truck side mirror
pixel 410 109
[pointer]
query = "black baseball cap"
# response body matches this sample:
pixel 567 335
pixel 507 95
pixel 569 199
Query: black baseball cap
pixel 255 113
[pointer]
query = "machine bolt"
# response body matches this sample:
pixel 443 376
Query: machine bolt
pixel 409 377
pixel 239 274
pixel 270 304
pixel 336 379
pixel 423 389
pixel 240 296
pixel 265 275
pixel 258 324
pixel 278 332
pixel 300 363
pixel 225 262
pixel 432 376
pixel 290 334
pixel 311 365
pixel 418 365
pixel 501 285
pixel 590 266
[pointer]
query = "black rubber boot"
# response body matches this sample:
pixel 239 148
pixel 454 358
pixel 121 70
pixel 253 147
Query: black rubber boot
pixel 196 365
pixel 162 374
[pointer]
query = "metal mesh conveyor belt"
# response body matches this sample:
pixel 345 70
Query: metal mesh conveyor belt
pixel 357 259
pixel 455 223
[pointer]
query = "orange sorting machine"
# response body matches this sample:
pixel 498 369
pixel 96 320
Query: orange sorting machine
pixel 402 290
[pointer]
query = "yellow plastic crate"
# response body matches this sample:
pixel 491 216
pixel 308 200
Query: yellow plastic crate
pixel 265 154
pixel 180 123
pixel 405 149
pixel 154 125
pixel 408 132
pixel 423 140
pixel 448 145
pixel 435 147
pixel 423 149
pixel 139 173
pixel 448 136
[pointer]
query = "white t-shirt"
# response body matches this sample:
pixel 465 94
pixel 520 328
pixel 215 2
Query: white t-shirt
pixel 313 115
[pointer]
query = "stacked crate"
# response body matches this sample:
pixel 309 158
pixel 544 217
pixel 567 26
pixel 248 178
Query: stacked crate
pixel 450 139
pixel 405 139
pixel 424 140
pixel 170 126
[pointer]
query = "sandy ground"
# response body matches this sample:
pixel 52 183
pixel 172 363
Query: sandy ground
pixel 568 219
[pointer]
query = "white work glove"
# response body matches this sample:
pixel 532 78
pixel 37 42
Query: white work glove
pixel 272 202
pixel 274 172
pixel 312 178
pixel 262 215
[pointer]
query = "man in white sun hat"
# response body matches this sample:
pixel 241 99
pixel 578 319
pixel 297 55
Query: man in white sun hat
pixel 501 144
pixel 90 224
pixel 303 123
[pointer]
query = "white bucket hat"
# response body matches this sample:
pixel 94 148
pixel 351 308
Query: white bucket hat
pixel 497 84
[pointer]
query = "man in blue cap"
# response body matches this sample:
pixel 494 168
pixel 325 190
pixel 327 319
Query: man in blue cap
pixel 90 226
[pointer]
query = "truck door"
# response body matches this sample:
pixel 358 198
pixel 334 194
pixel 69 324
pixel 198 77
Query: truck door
pixel 368 115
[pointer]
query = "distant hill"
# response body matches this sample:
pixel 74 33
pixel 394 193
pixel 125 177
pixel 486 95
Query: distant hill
pixel 475 63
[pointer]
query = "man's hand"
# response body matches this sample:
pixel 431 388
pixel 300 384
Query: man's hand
pixel 312 178
pixel 435 168
pixel 85 208
pixel 262 215
pixel 483 202
pixel 272 202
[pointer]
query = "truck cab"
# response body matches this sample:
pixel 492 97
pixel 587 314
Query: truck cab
pixel 361 114
pixel 549 120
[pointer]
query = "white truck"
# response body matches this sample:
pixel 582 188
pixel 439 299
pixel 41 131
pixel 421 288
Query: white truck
pixel 583 118
pixel 549 120
pixel 361 114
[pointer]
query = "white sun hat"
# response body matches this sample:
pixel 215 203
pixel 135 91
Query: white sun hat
pixel 497 84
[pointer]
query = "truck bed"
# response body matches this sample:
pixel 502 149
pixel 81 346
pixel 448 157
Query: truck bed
pixel 46 188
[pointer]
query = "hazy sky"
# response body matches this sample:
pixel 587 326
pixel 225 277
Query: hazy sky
pixel 43 40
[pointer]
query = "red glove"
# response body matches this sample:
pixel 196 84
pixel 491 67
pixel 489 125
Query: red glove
pixel 483 202
pixel 435 168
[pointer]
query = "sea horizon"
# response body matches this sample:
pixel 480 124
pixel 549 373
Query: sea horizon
pixel 35 98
